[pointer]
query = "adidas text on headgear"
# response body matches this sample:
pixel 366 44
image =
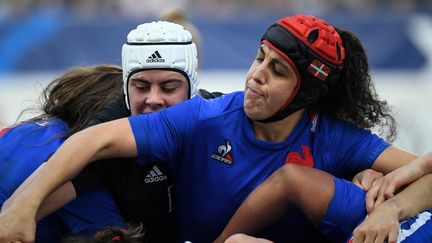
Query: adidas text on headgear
pixel 160 45
pixel 314 50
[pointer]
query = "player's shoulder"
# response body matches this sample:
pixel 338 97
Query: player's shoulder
pixel 42 133
pixel 208 95
pixel 221 106
pixel 332 127
pixel 42 124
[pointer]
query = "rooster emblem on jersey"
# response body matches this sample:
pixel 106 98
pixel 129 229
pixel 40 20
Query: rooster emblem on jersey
pixel 305 159
pixel 223 153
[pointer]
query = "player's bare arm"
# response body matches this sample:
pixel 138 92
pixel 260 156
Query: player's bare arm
pixel 102 141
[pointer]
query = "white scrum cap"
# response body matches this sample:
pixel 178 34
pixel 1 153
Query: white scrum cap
pixel 160 45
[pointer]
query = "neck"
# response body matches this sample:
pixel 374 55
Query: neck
pixel 277 131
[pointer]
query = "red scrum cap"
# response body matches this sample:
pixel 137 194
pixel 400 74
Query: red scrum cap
pixel 315 51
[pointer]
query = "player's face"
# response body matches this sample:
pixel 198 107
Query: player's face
pixel 270 82
pixel 154 90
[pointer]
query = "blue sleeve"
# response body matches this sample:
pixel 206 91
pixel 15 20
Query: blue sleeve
pixel 160 136
pixel 353 149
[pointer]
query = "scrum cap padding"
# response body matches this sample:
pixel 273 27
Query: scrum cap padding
pixel 160 45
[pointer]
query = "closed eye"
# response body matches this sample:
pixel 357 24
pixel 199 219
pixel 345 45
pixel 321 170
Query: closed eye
pixel 170 86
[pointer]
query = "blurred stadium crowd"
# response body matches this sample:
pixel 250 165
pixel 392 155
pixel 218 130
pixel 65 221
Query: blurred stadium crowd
pixel 216 8
pixel 94 30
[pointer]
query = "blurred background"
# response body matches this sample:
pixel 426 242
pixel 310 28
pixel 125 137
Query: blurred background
pixel 39 39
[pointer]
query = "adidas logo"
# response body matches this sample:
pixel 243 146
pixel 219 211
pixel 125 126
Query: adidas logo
pixel 155 57
pixel 155 175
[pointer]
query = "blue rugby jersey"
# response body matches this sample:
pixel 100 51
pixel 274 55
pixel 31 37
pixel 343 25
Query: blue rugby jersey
pixel 22 150
pixel 217 161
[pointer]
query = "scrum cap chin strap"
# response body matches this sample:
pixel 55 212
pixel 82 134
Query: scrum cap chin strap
pixel 315 52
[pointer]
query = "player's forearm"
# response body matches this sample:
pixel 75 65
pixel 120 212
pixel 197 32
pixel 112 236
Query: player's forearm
pixel 426 163
pixel 63 165
pixel 56 200
pixel 413 199
pixel 415 169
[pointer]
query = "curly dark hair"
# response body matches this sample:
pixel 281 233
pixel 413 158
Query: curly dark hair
pixel 354 97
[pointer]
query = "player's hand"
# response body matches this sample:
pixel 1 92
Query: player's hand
pixel 382 224
pixel 365 179
pixel 387 186
pixel 17 225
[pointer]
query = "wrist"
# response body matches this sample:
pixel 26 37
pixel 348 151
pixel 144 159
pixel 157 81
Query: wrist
pixel 426 164
pixel 397 207
pixel 26 205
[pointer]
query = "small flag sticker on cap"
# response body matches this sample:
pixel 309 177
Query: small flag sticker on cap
pixel 318 69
